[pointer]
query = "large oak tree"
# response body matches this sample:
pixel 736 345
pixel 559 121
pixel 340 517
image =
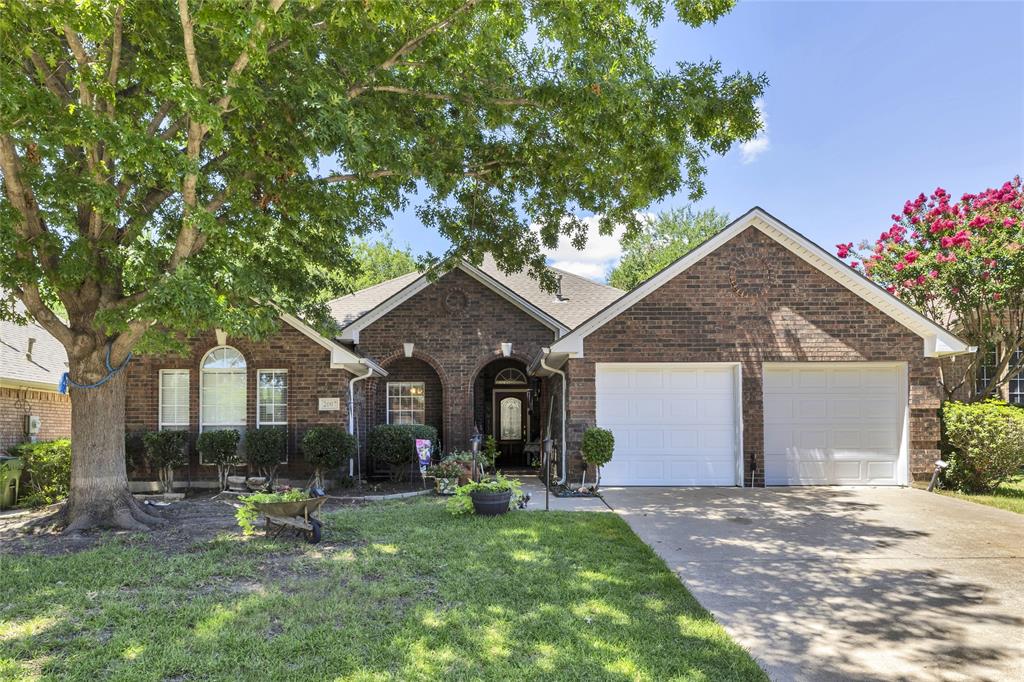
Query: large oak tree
pixel 174 167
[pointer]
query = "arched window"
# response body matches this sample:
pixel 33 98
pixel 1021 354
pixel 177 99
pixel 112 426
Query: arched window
pixel 222 390
pixel 510 375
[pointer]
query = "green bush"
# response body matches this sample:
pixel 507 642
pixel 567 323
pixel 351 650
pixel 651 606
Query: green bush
pixel 326 447
pixel 395 444
pixel 220 448
pixel 164 451
pixel 46 467
pixel 598 445
pixel 134 450
pixel 984 444
pixel 265 447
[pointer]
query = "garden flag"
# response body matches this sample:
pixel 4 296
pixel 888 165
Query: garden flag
pixel 423 452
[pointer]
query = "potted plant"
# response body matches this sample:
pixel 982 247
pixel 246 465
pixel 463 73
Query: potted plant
pixel 325 448
pixel 597 447
pixel 220 448
pixel 447 474
pixel 165 450
pixel 488 454
pixel 491 497
pixel 265 447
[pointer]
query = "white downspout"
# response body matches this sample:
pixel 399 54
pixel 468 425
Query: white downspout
pixel 543 355
pixel 352 411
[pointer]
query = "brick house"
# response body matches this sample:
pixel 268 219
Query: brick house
pixel 757 358
pixel 31 364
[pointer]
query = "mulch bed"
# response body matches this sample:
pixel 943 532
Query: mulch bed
pixel 196 519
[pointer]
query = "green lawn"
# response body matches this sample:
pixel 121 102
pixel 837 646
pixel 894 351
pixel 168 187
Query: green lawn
pixel 1008 496
pixel 397 591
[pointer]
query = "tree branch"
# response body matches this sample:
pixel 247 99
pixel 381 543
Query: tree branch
pixel 412 44
pixel 50 79
pixel 190 46
pixel 115 49
pixel 46 318
pixel 243 59
pixel 478 172
pixel 498 101
pixel 83 64
pixel 22 198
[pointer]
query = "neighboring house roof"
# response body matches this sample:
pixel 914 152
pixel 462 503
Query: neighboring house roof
pixel 937 340
pixel 40 368
pixel 580 297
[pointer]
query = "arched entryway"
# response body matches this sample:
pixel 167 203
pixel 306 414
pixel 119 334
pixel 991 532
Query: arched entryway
pixel 505 405
pixel 411 393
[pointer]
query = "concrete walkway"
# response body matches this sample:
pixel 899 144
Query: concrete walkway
pixel 847 583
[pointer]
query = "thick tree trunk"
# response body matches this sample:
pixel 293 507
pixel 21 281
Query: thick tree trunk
pixel 99 479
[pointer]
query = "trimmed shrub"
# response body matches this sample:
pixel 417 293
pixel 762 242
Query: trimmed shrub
pixel 326 447
pixel 265 447
pixel 985 444
pixel 220 448
pixel 597 448
pixel 165 450
pixel 46 467
pixel 395 444
pixel 134 450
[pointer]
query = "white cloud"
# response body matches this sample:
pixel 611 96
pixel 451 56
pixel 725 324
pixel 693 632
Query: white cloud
pixel 597 257
pixel 751 149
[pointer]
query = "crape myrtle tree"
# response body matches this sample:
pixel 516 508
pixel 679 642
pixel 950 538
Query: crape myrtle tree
pixel 170 167
pixel 961 263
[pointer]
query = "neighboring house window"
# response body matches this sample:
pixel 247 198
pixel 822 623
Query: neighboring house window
pixel 1017 380
pixel 986 370
pixel 272 397
pixel 222 390
pixel 406 402
pixel 173 399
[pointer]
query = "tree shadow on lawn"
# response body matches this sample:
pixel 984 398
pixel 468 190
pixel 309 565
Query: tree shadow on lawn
pixel 405 592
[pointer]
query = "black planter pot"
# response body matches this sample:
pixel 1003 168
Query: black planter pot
pixel 491 504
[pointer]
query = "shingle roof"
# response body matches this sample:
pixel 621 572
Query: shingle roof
pixel 349 308
pixel 48 361
pixel 581 297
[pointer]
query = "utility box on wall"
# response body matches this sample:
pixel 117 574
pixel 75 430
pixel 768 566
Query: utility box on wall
pixel 32 425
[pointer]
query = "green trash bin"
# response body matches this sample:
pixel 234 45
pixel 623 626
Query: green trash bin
pixel 10 473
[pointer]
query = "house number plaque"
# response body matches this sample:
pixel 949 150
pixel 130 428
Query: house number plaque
pixel 330 404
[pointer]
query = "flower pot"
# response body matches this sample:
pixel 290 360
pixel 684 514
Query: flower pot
pixel 237 484
pixel 491 504
pixel 445 486
pixel 256 482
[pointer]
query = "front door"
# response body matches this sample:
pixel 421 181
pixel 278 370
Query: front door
pixel 510 427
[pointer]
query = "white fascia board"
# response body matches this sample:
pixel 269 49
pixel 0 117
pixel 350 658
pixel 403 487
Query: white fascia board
pixel 18 384
pixel 341 357
pixel 351 332
pixel 513 298
pixel 946 343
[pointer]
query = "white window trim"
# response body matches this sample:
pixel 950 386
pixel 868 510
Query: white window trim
pixel 202 375
pixel 1016 378
pixel 161 424
pixel 260 422
pixel 387 397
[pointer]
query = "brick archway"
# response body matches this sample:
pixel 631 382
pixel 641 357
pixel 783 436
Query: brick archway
pixel 444 430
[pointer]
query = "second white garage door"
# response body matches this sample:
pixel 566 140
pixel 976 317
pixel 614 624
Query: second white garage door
pixel 834 423
pixel 674 423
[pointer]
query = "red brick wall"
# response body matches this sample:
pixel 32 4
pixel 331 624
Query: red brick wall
pixel 753 301
pixel 457 326
pixel 408 369
pixel 309 377
pixel 53 409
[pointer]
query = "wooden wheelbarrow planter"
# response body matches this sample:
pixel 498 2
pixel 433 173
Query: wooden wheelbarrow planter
pixel 301 516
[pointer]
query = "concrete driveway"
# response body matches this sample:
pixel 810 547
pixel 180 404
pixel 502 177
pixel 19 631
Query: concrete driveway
pixel 847 583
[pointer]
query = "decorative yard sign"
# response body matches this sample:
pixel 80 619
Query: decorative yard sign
pixel 330 404
pixel 423 452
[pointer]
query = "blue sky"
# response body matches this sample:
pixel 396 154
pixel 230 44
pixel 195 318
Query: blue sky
pixel 869 104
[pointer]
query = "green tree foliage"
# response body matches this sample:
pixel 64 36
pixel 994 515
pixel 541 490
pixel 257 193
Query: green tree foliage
pixel 668 236
pixel 986 442
pixel 171 167
pixel 372 261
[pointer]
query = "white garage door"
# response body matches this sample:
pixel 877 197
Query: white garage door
pixel 834 423
pixel 674 423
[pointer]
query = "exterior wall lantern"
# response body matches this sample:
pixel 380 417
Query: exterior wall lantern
pixel 408 349
pixel 506 350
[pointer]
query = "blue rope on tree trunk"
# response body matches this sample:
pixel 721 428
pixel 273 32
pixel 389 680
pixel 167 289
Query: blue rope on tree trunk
pixel 66 379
